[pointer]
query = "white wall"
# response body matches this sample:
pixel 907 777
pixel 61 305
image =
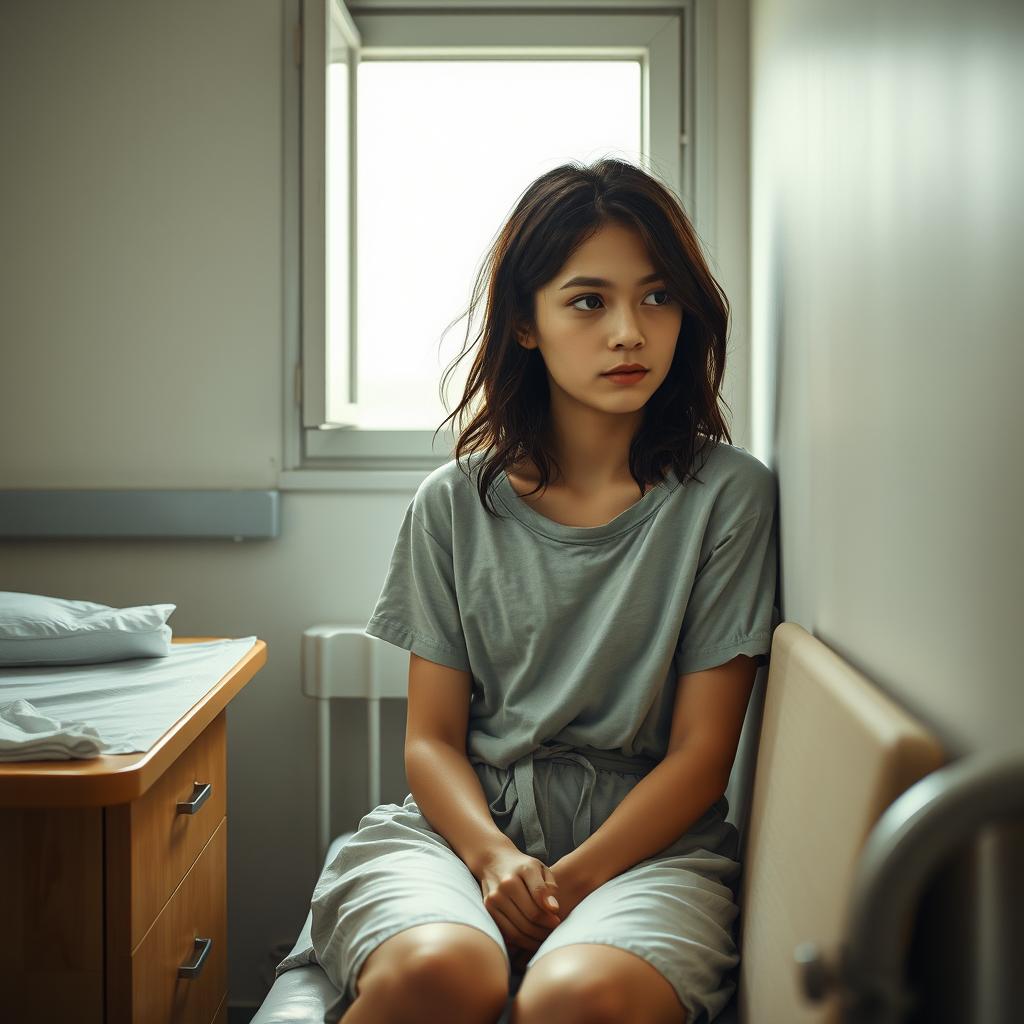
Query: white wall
pixel 886 163
pixel 141 293
pixel 141 320
pixel 886 218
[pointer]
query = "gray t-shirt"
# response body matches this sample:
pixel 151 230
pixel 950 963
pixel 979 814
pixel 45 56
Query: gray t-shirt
pixel 576 634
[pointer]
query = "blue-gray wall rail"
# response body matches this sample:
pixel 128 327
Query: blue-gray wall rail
pixel 235 514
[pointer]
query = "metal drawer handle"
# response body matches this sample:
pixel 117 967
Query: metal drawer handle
pixel 192 970
pixel 200 794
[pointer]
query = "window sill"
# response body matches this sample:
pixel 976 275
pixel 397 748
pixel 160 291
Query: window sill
pixel 401 480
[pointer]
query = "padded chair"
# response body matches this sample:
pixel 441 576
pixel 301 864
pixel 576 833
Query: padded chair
pixel 827 757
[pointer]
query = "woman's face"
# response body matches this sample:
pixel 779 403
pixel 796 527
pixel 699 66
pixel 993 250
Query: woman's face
pixel 586 328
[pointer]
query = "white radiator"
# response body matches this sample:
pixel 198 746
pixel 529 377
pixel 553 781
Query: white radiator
pixel 343 661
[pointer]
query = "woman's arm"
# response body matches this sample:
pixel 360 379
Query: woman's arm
pixel 443 783
pixel 708 717
pixel 448 792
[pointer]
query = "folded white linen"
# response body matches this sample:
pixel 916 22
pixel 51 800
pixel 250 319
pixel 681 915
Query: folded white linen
pixel 131 703
pixel 28 735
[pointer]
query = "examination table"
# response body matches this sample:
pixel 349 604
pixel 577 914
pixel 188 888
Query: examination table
pixel 823 756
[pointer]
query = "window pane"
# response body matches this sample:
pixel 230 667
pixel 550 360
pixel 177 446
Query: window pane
pixel 336 204
pixel 444 149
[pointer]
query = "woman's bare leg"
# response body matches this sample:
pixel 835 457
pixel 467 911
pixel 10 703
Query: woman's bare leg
pixel 435 971
pixel 590 983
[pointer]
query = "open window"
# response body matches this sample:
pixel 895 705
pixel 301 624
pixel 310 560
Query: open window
pixel 413 134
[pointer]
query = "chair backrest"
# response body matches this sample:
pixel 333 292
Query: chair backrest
pixel 833 753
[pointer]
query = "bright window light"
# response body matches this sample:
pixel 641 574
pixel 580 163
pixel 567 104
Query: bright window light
pixel 444 149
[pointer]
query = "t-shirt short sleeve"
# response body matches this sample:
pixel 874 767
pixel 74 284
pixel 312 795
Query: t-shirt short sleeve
pixel 417 609
pixel 731 609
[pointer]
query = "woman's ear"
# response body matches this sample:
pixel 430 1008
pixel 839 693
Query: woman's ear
pixel 524 338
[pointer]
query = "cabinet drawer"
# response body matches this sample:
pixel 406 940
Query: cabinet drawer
pixel 196 911
pixel 165 840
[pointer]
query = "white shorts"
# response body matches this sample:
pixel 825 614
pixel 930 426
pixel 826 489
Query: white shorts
pixel 676 910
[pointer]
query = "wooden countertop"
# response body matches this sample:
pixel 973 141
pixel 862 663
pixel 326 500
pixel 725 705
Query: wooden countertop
pixel 120 778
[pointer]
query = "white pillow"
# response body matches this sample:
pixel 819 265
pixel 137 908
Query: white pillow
pixel 38 630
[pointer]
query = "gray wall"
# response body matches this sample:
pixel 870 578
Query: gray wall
pixel 886 162
pixel 874 354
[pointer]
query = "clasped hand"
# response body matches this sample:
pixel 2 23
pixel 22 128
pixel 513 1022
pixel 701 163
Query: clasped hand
pixel 516 889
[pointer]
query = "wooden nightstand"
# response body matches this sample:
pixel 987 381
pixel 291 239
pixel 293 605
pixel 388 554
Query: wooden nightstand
pixel 113 899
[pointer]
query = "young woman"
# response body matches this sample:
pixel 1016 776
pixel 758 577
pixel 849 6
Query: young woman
pixel 585 616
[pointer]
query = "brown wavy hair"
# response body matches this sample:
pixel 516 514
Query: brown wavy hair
pixel 553 216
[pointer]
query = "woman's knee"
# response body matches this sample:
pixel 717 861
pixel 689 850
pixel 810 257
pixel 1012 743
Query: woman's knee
pixel 442 966
pixel 571 992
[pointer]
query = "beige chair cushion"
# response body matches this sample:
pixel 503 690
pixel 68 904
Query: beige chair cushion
pixel 834 752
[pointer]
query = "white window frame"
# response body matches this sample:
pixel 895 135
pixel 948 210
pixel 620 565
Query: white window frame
pixel 674 42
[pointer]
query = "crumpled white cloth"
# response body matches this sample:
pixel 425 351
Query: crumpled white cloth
pixel 129 704
pixel 26 734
